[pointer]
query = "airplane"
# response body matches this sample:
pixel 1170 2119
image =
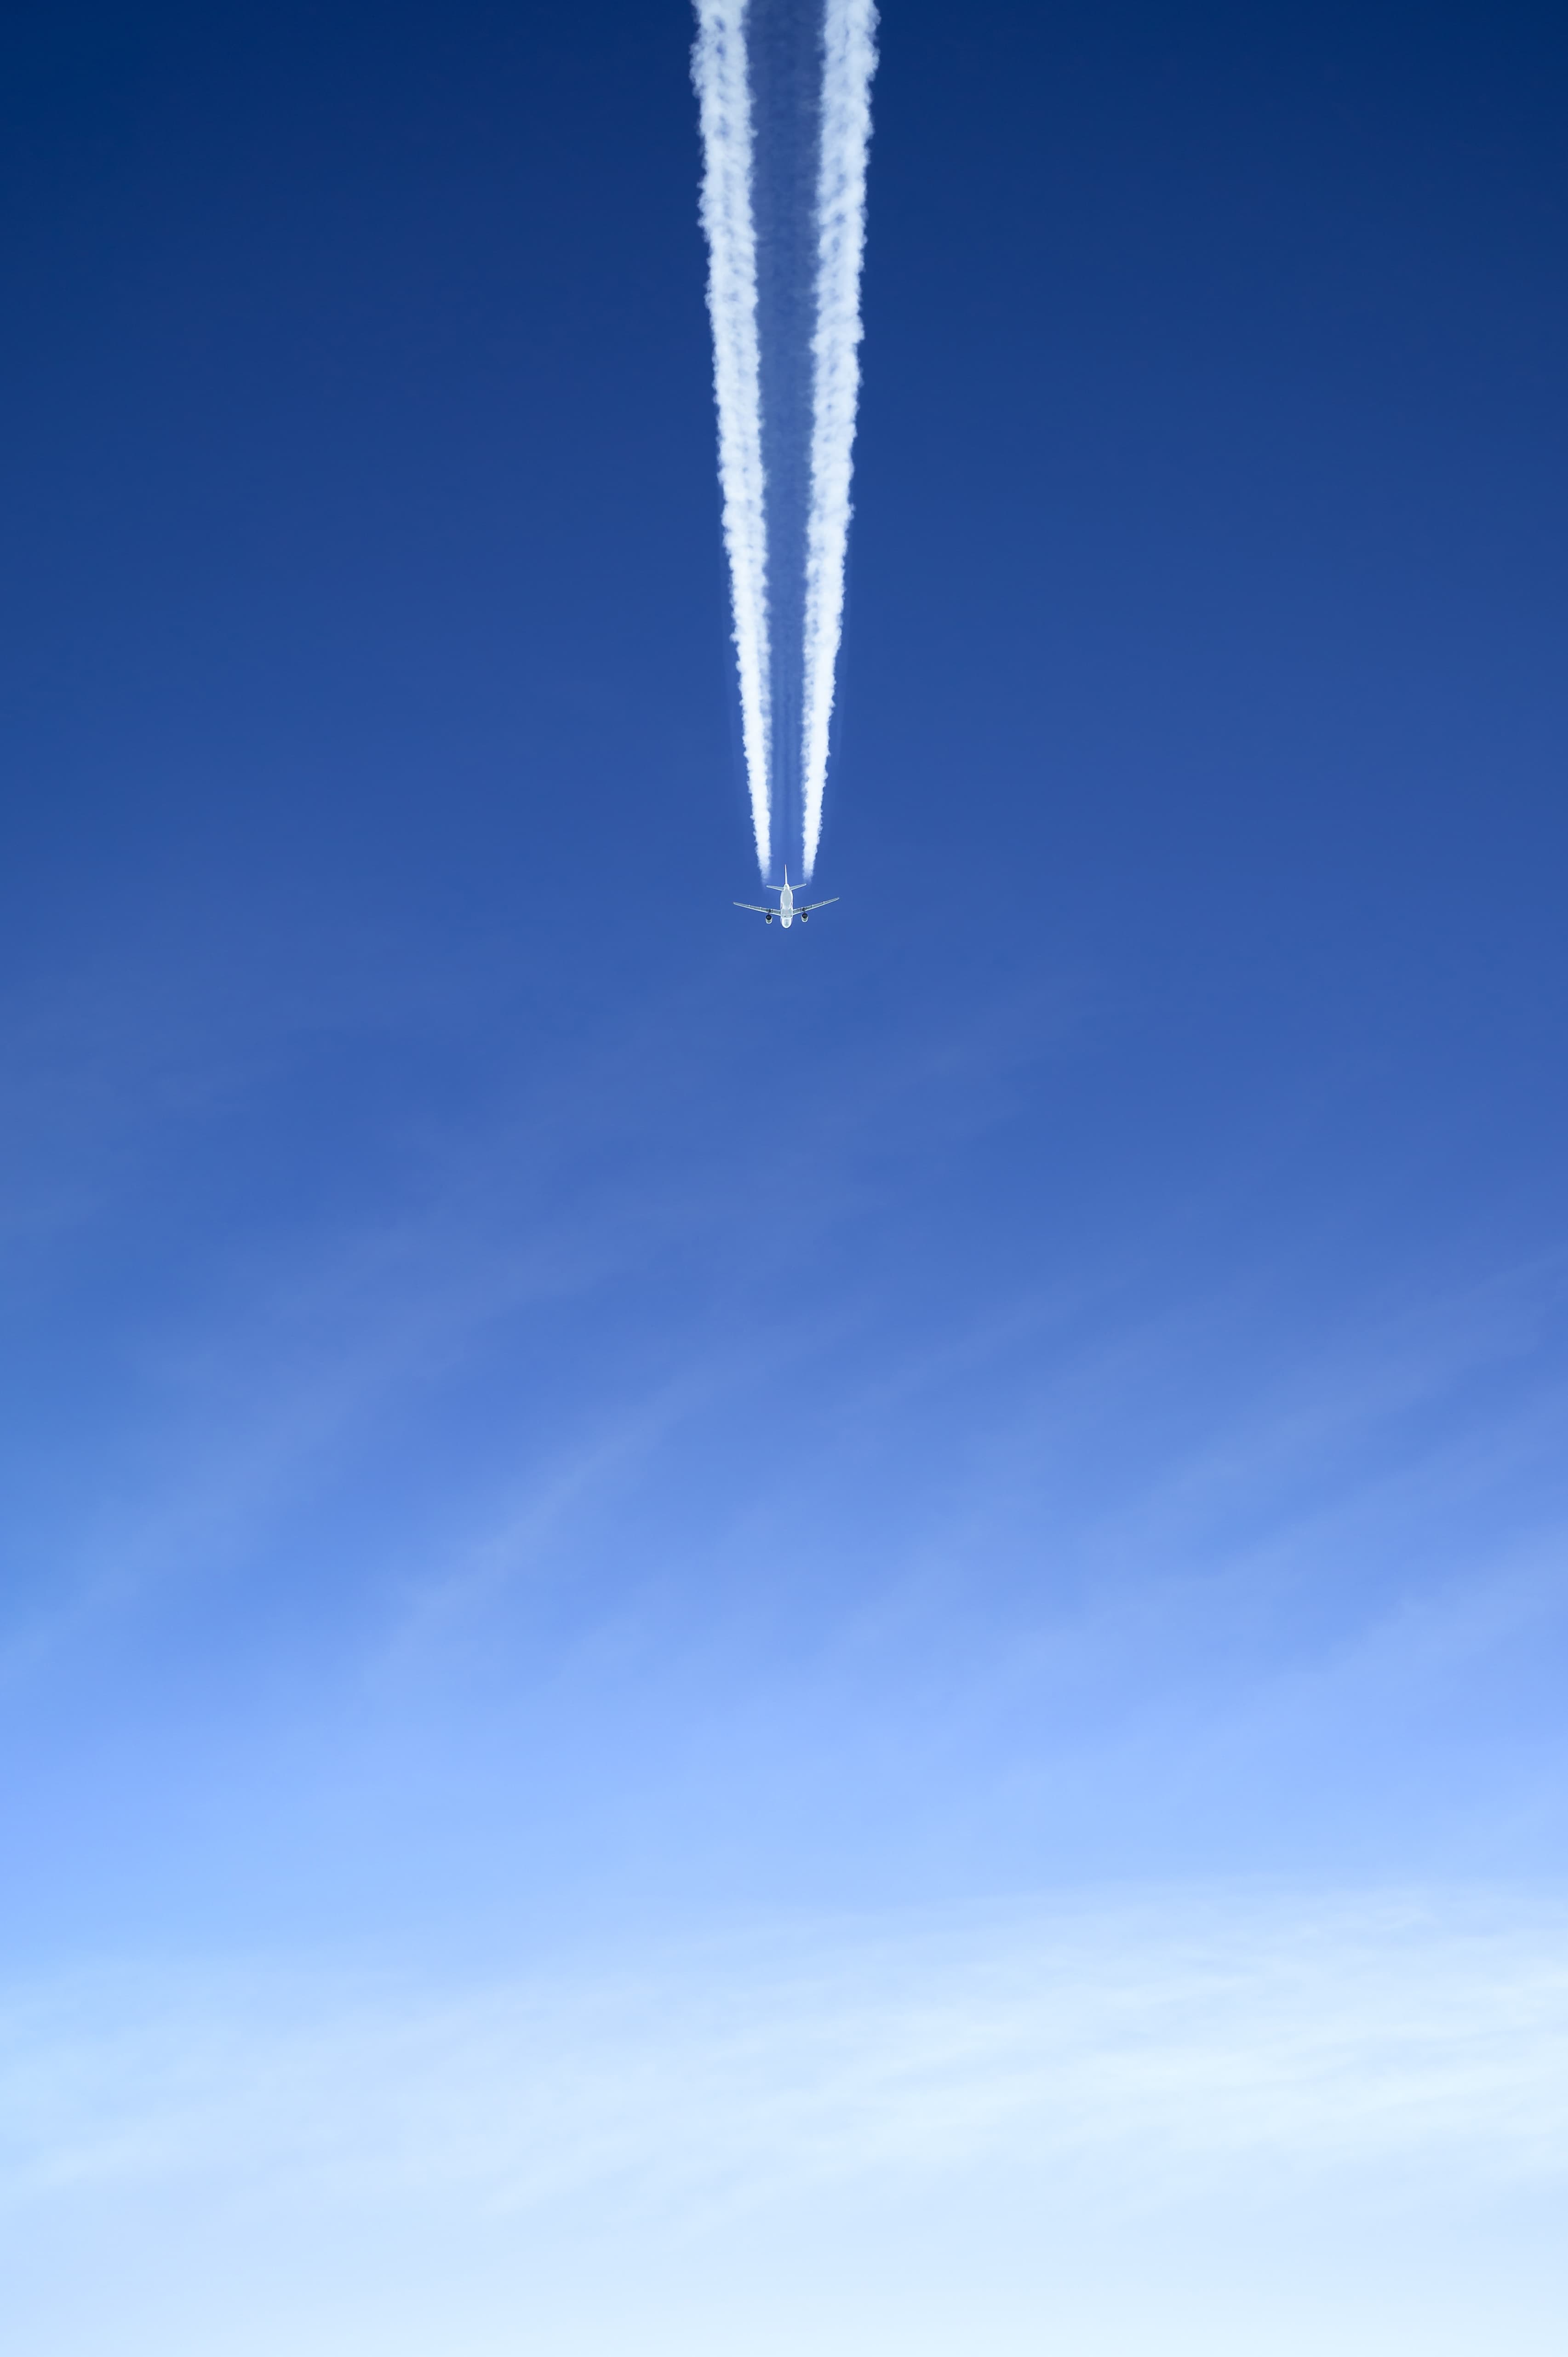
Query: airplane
pixel 787 912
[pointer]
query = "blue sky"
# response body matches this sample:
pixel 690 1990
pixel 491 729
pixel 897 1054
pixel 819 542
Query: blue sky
pixel 713 1640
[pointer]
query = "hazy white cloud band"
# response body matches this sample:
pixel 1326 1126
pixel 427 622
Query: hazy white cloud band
pixel 1157 2035
pixel 719 71
pixel 849 62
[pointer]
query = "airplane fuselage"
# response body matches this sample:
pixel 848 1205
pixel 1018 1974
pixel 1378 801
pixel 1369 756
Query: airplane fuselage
pixel 788 910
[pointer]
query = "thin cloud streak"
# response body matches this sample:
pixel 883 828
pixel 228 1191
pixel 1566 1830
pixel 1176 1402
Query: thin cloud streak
pixel 719 71
pixel 849 62
pixel 536 1201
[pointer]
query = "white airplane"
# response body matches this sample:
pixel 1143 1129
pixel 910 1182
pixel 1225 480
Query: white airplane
pixel 787 912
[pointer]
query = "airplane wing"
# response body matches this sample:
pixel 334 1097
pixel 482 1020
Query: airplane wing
pixel 815 904
pixel 753 907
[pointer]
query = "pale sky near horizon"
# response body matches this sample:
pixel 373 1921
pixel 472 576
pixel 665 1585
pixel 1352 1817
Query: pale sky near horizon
pixel 724 1644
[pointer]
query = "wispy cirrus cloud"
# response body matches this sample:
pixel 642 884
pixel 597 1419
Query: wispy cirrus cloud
pixel 1144 2036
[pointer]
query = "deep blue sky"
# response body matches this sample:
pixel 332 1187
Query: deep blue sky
pixel 543 1420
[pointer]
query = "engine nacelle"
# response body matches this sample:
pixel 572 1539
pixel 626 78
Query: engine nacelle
pixel 803 914
pixel 768 916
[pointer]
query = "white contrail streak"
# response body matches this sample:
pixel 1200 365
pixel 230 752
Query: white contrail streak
pixel 849 62
pixel 719 71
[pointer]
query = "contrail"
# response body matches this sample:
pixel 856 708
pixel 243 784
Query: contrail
pixel 848 63
pixel 719 71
